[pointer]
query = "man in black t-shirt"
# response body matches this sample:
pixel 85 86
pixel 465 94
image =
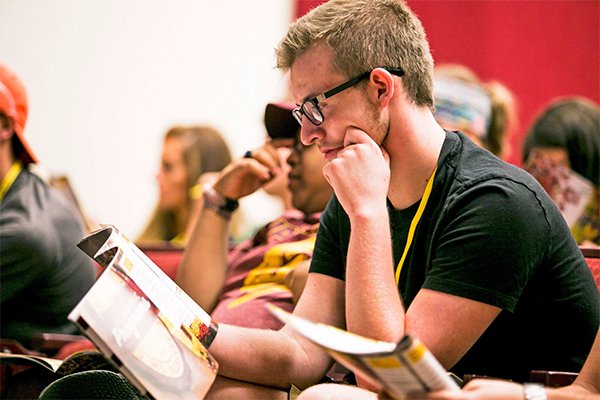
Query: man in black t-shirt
pixel 427 234
pixel 488 233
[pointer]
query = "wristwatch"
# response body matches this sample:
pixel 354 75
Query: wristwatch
pixel 534 391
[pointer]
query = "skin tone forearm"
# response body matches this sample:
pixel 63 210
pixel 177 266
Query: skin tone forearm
pixel 373 306
pixel 279 358
pixel 202 271
pixel 253 363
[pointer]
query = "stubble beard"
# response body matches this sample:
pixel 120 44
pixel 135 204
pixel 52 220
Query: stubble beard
pixel 380 125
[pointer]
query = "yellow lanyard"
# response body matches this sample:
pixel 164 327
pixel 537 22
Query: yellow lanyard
pixel 414 223
pixel 10 177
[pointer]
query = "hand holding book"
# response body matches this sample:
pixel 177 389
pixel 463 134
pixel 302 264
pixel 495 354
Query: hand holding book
pixel 394 369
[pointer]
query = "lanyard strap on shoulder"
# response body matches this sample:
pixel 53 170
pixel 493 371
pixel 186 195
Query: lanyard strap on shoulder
pixel 10 177
pixel 415 222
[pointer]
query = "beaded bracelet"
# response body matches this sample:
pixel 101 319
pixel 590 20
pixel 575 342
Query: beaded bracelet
pixel 222 205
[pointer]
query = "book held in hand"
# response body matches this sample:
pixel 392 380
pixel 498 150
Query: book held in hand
pixel 151 330
pixel 392 368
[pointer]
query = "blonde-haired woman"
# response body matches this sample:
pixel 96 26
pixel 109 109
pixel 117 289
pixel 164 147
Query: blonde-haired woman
pixel 188 152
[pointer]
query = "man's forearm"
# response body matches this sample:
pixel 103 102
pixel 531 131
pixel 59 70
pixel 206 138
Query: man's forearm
pixel 202 271
pixel 373 305
pixel 271 358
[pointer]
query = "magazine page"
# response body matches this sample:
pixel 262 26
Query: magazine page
pixel 83 360
pixel 24 359
pixel 109 247
pixel 396 368
pixel 163 361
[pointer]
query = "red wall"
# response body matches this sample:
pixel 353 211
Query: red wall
pixel 538 49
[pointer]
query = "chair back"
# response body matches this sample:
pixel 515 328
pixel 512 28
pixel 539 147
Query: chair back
pixel 167 258
pixel 592 257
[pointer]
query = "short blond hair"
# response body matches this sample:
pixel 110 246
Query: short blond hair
pixel 363 35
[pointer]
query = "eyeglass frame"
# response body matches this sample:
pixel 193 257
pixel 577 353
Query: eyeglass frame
pixel 299 112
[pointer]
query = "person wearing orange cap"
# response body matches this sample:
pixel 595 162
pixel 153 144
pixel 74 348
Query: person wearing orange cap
pixel 42 272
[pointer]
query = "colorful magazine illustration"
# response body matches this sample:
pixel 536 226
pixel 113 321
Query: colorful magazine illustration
pixel 576 197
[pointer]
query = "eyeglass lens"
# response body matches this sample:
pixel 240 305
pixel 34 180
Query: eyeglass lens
pixel 312 112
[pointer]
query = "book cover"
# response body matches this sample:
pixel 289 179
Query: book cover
pixel 144 323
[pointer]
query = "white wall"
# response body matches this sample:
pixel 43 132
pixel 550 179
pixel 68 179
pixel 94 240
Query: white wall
pixel 107 78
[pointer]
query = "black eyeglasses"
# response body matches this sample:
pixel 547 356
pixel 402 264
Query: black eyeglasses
pixel 310 108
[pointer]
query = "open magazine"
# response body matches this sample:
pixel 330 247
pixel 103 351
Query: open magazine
pixel 149 328
pixel 392 368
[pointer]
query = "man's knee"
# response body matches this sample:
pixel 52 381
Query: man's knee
pixel 225 388
pixel 330 391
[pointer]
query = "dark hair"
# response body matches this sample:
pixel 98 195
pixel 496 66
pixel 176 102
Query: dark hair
pixel 574 125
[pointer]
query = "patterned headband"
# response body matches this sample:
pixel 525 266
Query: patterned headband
pixel 462 105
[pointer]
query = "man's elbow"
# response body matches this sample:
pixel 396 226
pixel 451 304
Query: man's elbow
pixel 307 364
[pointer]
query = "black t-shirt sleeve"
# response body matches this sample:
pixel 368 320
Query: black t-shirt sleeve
pixel 329 256
pixel 493 237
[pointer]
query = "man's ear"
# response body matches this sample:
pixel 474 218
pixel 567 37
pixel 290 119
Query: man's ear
pixel 384 85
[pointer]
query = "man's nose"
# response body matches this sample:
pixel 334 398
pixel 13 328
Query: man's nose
pixel 310 133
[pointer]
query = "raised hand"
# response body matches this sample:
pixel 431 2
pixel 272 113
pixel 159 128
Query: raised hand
pixel 246 175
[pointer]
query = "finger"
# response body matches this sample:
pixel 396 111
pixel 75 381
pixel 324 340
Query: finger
pixel 256 168
pixel 356 136
pixel 326 174
pixel 267 156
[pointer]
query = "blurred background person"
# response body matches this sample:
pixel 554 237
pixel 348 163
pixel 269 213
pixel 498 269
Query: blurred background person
pixel 277 122
pixel 274 197
pixel 565 138
pixel 42 272
pixel 485 111
pixel 272 265
pixel 188 152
